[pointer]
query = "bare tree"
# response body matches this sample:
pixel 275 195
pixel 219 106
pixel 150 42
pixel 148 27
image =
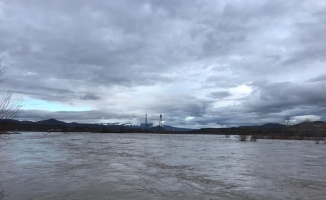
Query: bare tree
pixel 242 137
pixel 9 107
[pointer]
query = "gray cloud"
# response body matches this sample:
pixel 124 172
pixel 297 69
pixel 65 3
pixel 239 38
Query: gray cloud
pixel 219 95
pixel 201 63
pixel 73 116
pixel 318 78
pixel 280 96
pixel 90 96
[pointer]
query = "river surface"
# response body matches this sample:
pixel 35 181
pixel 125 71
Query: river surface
pixel 153 166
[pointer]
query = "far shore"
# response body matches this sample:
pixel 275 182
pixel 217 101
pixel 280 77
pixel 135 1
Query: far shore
pixel 251 137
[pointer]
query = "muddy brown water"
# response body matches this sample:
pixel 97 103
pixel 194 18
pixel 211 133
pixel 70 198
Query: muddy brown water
pixel 153 166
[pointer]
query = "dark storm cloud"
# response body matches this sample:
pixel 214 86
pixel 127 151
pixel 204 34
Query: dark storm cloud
pixel 311 39
pixel 98 43
pixel 276 97
pixel 89 96
pixel 219 95
pixel 50 93
pixel 74 116
pixel 179 58
pixel 320 78
pixel 181 106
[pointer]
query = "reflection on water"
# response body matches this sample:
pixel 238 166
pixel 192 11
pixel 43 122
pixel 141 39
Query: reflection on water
pixel 149 166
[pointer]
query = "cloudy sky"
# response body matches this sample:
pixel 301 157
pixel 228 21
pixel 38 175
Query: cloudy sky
pixel 200 63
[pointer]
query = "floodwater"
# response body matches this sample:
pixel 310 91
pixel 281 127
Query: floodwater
pixel 153 166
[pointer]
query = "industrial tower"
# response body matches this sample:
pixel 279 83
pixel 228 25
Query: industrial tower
pixel 146 124
pixel 161 121
pixel 146 118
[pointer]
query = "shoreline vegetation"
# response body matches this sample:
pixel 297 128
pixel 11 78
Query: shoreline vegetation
pixel 315 131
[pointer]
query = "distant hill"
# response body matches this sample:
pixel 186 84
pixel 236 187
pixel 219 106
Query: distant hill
pixel 265 126
pixel 169 128
pixel 51 124
pixel 310 125
pixel 272 125
pixel 272 130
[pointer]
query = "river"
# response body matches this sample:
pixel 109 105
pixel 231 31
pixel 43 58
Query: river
pixel 156 166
